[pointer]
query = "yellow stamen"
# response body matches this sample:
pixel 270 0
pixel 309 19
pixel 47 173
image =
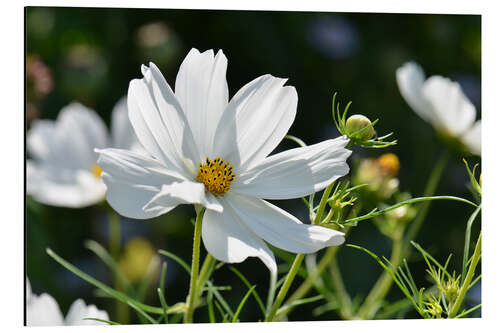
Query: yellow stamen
pixel 217 175
pixel 96 170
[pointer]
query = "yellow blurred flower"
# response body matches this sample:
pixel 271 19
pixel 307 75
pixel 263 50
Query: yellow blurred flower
pixel 380 174
pixel 389 164
pixel 138 259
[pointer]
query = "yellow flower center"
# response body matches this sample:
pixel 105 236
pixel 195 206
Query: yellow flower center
pixel 96 170
pixel 216 175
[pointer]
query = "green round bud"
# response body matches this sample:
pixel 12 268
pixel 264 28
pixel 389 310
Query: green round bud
pixel 357 122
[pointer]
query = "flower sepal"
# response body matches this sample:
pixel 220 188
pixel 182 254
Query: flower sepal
pixel 476 186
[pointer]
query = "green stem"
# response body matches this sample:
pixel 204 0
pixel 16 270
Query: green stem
pixel 467 241
pixel 122 313
pixel 304 288
pixel 286 285
pixel 430 189
pixel 114 234
pixel 204 273
pixel 298 258
pixel 191 303
pixel 328 216
pixel 470 274
pixel 383 284
pixel 322 204
pixel 344 298
pixel 309 282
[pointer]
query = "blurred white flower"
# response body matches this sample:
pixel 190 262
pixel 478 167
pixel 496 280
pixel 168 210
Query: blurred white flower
pixel 43 310
pixel 63 171
pixel 442 103
pixel 211 152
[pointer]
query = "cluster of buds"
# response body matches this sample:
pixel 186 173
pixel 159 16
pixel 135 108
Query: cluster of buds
pixel 379 174
pixel 433 307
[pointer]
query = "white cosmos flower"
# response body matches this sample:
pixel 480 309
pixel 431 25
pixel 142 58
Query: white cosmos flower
pixel 442 103
pixel 211 152
pixel 63 171
pixel 43 310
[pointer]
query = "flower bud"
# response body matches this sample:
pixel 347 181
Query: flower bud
pixel 389 163
pixel 434 308
pixel 357 122
pixel 451 289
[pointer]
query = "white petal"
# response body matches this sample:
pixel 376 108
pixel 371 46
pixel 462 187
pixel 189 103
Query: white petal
pixel 122 132
pixel 280 228
pixel 40 139
pixel 454 112
pixel 63 187
pixel 202 91
pixel 255 121
pixel 28 290
pixel 159 122
pixel 177 193
pixel 472 138
pixel 79 310
pixel 296 172
pixel 68 142
pixel 133 180
pixel 228 239
pixel 43 310
pixel 410 78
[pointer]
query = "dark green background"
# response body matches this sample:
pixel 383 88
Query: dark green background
pixel 355 54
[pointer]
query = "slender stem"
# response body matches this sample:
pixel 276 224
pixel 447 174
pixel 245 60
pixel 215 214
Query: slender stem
pixel 344 298
pixel 114 234
pixel 430 189
pixel 304 288
pixel 470 274
pixel 122 312
pixel 309 282
pixel 298 258
pixel 204 273
pixel 188 315
pixel 286 285
pixel 467 241
pixel 328 216
pixel 383 284
pixel 322 204
pixel 272 290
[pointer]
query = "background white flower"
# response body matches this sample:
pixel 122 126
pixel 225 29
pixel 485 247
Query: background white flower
pixel 442 103
pixel 208 151
pixel 63 171
pixel 43 310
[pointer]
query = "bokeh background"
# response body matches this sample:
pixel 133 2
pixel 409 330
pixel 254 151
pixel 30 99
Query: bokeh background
pixel 90 55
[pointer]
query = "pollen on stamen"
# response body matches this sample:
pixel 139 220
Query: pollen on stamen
pixel 217 175
pixel 96 170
